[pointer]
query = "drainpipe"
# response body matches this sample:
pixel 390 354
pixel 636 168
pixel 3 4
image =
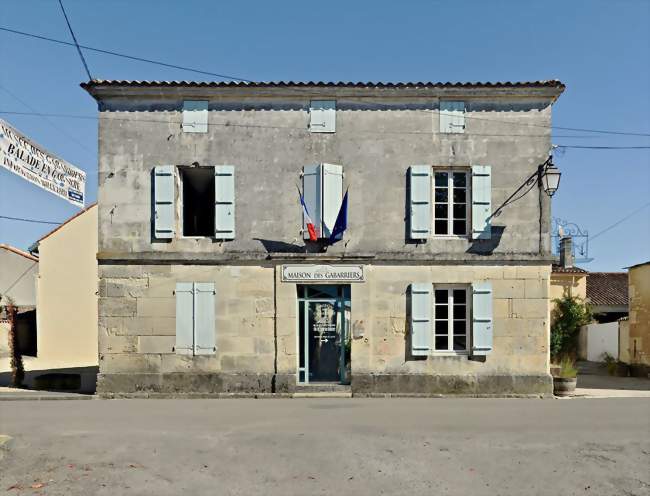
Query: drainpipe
pixel 275 329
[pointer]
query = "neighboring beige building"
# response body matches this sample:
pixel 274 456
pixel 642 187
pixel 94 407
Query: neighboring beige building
pixel 567 279
pixel 66 302
pixel 18 271
pixel 635 331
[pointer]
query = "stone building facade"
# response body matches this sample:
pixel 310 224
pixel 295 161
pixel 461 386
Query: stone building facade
pixel 210 282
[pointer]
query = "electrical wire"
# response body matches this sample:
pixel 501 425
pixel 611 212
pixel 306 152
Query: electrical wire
pixel 605 147
pixel 74 38
pixel 46 119
pixel 35 221
pixel 123 55
pixel 591 238
pixel 236 78
pixel 11 286
pixel 293 128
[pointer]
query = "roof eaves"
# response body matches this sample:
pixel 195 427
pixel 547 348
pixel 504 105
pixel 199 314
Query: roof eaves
pixel 35 245
pixel 551 83
pixel 18 251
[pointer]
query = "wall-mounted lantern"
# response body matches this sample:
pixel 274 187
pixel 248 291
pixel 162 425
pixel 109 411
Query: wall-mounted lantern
pixel 550 177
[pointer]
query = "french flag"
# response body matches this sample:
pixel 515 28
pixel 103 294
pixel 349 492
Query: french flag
pixel 310 223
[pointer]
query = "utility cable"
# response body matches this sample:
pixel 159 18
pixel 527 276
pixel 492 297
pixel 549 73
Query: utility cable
pixel 293 128
pixel 591 238
pixel 76 44
pixel 236 78
pixel 46 119
pixel 13 284
pixel 35 221
pixel 123 55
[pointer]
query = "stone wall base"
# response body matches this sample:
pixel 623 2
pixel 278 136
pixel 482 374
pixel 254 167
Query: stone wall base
pixel 227 385
pixel 436 385
pixel 183 383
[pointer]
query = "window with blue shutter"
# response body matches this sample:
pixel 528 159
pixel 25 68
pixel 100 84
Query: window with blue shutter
pixel 481 202
pixel 164 201
pixel 195 318
pixel 204 331
pixel 421 323
pixel 482 320
pixel 322 116
pixel 224 196
pixel 452 117
pixel 195 116
pixel 184 318
pixel 420 201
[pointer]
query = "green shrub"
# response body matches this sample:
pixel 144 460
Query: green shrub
pixel 569 315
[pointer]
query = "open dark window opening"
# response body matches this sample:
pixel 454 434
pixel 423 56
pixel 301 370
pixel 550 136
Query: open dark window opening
pixel 198 201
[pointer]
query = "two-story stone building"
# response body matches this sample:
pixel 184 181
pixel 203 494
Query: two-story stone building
pixel 211 282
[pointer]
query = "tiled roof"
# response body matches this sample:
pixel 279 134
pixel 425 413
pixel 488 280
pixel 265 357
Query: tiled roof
pixel 607 288
pixel 558 269
pixel 551 83
pixel 18 251
pixel 638 265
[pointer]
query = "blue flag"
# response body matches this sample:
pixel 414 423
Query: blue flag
pixel 341 223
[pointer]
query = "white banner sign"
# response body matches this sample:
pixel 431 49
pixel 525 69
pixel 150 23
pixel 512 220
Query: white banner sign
pixel 322 273
pixel 22 156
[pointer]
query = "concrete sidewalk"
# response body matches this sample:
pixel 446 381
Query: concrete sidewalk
pixel 20 394
pixel 605 386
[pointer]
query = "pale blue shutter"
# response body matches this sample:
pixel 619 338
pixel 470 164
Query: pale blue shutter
pixel 312 190
pixel 184 318
pixel 421 322
pixel 204 325
pixel 322 116
pixel 481 202
pixel 452 117
pixel 164 204
pixel 420 201
pixel 481 318
pixel 332 196
pixel 195 116
pixel 224 197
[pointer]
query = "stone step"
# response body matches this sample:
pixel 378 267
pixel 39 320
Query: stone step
pixel 323 394
pixel 323 387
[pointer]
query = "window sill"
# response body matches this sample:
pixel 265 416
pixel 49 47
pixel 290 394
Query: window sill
pixel 451 236
pixel 449 354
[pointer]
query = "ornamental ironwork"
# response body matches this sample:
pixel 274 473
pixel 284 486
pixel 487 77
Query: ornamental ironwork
pixel 561 228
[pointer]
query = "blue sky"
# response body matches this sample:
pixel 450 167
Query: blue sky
pixel 599 49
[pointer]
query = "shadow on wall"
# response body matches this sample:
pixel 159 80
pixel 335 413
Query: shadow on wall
pixel 75 379
pixel 300 103
pixel 487 246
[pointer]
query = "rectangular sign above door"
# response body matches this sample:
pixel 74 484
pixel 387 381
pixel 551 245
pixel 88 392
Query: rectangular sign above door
pixel 322 273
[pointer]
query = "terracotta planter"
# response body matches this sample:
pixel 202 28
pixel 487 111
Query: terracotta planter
pixel 563 386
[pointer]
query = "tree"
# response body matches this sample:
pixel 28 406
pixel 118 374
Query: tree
pixel 569 315
pixel 17 368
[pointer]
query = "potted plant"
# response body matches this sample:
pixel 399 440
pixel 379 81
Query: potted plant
pixel 615 367
pixel 564 382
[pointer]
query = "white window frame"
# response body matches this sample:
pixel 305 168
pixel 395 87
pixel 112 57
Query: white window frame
pixel 450 202
pixel 450 319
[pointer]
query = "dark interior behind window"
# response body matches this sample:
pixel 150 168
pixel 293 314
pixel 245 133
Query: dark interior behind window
pixel 198 201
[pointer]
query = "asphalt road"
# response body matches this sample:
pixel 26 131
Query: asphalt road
pixel 327 446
